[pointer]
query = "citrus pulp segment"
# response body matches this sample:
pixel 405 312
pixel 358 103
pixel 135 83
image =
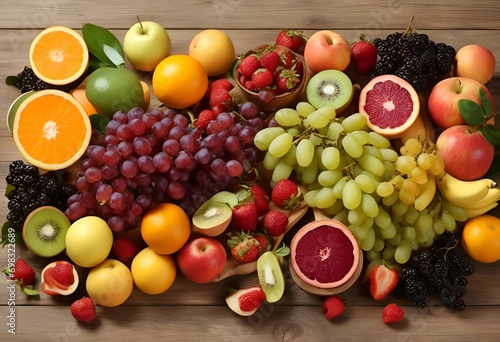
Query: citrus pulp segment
pixel 390 104
pixel 324 254
pixel 59 55
pixel 51 129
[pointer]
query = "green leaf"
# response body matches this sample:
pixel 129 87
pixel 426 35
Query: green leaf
pixel 7 234
pixel 99 122
pixel 13 80
pixel 103 45
pixel 9 188
pixel 485 102
pixel 492 134
pixel 471 112
pixel 30 291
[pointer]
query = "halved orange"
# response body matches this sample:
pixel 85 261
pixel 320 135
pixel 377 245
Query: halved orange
pixel 59 55
pixel 51 129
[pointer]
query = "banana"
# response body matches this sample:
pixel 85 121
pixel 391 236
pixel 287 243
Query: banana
pixel 463 193
pixel 493 196
pixel 477 212
pixel 427 192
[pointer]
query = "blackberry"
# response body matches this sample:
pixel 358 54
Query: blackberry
pixel 447 296
pixel 28 81
pixel 413 57
pixel 458 304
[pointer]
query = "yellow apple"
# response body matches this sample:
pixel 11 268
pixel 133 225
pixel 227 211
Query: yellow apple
pixel 146 44
pixel 89 241
pixel 110 283
pixel 215 50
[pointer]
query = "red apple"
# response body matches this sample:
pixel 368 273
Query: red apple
pixel 327 50
pixel 202 259
pixel 443 100
pixel 466 153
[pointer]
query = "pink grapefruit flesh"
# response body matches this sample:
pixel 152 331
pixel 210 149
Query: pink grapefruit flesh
pixel 324 254
pixel 390 104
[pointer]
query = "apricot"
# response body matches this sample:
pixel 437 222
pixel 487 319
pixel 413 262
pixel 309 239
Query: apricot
pixel 476 62
pixel 327 50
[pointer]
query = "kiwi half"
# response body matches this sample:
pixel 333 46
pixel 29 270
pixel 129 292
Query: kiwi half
pixel 44 231
pixel 227 197
pixel 212 218
pixel 332 88
pixel 270 276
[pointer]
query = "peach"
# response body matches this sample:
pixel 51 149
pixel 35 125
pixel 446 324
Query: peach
pixel 476 62
pixel 327 50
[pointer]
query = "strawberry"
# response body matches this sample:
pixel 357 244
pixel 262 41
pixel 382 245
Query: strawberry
pixel 220 97
pixel 286 80
pixel 264 243
pixel 251 300
pixel 364 55
pixel 270 61
pixel 22 272
pixel 291 39
pixel 392 313
pixel 244 247
pixel 60 275
pixel 124 249
pixel 245 216
pixel 222 83
pixel 275 222
pixel 204 117
pixel 286 194
pixel 247 301
pixel 260 198
pixel 262 78
pixel 249 65
pixel 332 307
pixel 287 57
pixel 83 310
pixel 383 279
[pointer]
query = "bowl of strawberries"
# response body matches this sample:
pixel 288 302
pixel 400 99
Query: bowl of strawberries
pixel 271 76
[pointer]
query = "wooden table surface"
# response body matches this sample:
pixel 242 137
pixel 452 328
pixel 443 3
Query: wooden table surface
pixel 189 311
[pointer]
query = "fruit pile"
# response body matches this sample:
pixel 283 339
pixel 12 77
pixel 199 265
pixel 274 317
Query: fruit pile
pixel 213 183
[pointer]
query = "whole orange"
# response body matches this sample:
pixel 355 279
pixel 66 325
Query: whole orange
pixel 165 228
pixel 180 81
pixel 481 238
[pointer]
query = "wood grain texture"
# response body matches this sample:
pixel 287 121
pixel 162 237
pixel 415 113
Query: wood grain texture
pixel 191 311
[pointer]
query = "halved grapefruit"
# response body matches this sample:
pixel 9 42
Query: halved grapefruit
pixel 325 254
pixel 390 104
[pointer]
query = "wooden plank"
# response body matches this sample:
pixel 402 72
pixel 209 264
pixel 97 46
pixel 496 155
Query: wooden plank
pixel 270 323
pixel 240 14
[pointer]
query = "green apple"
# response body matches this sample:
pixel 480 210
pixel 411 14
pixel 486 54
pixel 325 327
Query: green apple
pixel 146 44
pixel 89 241
pixel 110 283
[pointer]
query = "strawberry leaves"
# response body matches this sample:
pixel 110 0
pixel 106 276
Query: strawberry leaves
pixel 476 114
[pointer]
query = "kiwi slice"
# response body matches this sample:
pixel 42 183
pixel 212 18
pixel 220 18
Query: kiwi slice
pixel 271 277
pixel 332 88
pixel 227 197
pixel 212 218
pixel 44 231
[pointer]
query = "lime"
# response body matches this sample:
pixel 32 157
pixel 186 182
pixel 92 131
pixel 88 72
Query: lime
pixel 110 90
pixel 11 113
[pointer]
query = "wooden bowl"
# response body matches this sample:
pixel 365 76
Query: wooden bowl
pixel 279 101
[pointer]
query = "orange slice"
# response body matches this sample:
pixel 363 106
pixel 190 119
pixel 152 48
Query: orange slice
pixel 51 129
pixel 58 55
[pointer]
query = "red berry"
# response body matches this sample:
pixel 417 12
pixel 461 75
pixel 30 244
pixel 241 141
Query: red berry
pixel 275 222
pixel 83 310
pixel 286 194
pixel 291 39
pixel 222 83
pixel 392 313
pixel 248 65
pixel 364 55
pixel 332 307
pixel 23 273
pixel 124 249
pixel 262 78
